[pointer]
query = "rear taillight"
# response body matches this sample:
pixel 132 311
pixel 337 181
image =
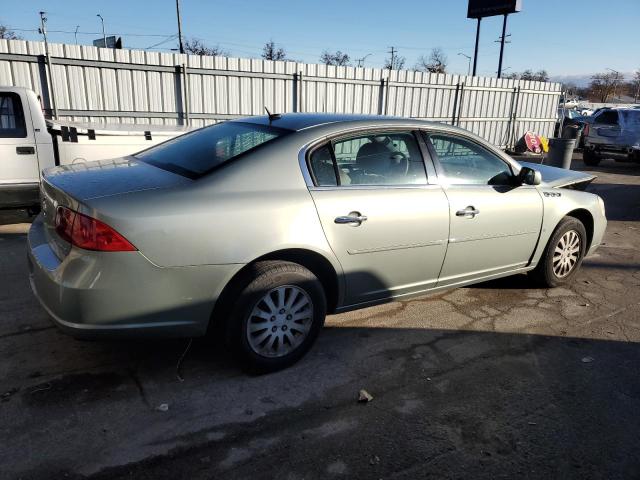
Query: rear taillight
pixel 585 132
pixel 88 233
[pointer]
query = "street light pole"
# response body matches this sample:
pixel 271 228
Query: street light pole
pixel 104 35
pixel 361 60
pixel 75 34
pixel 179 27
pixel 475 52
pixel 468 62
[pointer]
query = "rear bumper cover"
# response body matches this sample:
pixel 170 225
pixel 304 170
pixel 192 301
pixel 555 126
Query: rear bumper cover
pixel 92 294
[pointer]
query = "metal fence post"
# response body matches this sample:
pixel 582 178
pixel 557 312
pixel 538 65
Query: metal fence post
pixel 508 139
pixel 300 93
pixel 460 101
pixel 455 105
pixel 186 94
pixel 45 88
pixel 381 106
pixel 178 81
pixel 295 92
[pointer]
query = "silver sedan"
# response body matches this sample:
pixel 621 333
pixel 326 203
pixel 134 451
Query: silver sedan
pixel 256 229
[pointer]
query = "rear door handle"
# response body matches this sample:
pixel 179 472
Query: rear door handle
pixel 469 212
pixel 354 218
pixel 25 150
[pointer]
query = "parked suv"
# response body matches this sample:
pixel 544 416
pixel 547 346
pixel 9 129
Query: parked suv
pixel 614 130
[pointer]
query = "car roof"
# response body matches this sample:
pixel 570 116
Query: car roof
pixel 302 121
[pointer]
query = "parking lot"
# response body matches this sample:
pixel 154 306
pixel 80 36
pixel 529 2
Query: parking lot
pixel 498 380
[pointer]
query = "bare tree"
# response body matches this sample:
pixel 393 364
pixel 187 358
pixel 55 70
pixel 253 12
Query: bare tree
pixel 570 88
pixel 635 86
pixel 435 63
pixel 528 74
pixel 541 76
pixel 271 52
pixel 198 47
pixel 603 84
pixel 395 63
pixel 338 58
pixel 7 34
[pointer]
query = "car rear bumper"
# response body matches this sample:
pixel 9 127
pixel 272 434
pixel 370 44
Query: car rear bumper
pixel 91 294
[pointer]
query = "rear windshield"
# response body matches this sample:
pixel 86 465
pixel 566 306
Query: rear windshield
pixel 199 152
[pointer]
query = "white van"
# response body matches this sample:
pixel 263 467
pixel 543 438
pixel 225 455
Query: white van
pixel 29 143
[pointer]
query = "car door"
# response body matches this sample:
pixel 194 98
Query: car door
pixel 18 161
pixel 495 224
pixel 385 223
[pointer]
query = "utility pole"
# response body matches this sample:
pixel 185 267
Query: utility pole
pixel 502 42
pixel 104 35
pixel 393 52
pixel 468 62
pixel 75 34
pixel 475 52
pixel 179 27
pixel 393 56
pixel 52 94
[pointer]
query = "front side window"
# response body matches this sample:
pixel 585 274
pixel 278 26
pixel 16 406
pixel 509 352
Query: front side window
pixel 199 152
pixel 386 158
pixel 464 162
pixel 12 123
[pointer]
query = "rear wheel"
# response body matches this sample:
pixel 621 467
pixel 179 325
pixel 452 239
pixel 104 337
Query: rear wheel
pixel 563 255
pixel 590 157
pixel 277 315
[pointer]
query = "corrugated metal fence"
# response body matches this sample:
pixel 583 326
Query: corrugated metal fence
pixel 134 86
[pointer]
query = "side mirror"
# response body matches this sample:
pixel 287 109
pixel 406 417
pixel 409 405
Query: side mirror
pixel 529 176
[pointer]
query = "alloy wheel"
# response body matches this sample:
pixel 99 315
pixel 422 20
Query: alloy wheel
pixel 566 254
pixel 280 321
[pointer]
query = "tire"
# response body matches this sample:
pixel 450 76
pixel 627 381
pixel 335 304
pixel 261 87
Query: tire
pixel 590 158
pixel 295 317
pixel 547 274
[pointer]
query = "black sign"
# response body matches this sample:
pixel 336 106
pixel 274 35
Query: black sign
pixel 489 8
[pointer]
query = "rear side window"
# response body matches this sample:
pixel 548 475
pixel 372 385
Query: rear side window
pixel 197 153
pixel 609 117
pixel 631 118
pixel 322 167
pixel 11 116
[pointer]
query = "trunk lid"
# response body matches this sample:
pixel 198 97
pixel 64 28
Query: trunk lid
pixel 102 178
pixel 561 178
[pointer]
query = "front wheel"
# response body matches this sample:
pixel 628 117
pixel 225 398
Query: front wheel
pixel 563 255
pixel 277 316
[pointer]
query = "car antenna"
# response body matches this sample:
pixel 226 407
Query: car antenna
pixel 272 116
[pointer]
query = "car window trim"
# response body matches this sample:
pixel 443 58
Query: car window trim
pixel 330 141
pixel 436 160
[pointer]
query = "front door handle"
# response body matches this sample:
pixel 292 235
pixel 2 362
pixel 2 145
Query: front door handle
pixel 469 212
pixel 25 150
pixel 354 218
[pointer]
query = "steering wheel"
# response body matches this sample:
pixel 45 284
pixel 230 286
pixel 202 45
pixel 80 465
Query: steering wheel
pixel 399 163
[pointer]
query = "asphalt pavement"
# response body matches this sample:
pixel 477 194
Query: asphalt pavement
pixel 498 380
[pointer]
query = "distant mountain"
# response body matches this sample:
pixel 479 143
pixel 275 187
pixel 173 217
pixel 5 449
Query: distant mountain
pixel 581 80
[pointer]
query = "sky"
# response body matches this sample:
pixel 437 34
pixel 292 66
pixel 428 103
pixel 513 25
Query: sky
pixel 565 37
